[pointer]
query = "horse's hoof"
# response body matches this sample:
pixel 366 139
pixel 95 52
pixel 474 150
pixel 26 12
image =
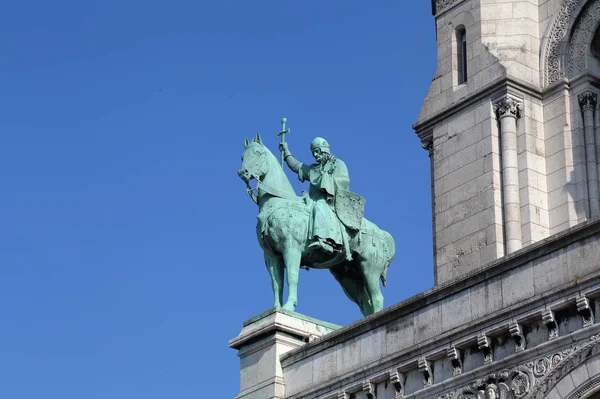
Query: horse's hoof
pixel 289 307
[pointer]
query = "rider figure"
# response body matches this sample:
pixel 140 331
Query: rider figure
pixel 326 176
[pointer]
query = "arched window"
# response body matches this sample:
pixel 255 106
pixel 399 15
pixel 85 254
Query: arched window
pixel 461 54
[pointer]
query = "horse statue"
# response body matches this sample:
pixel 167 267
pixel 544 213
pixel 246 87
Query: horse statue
pixel 283 234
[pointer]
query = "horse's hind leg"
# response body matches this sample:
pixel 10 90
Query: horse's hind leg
pixel 275 268
pixel 354 288
pixel 372 286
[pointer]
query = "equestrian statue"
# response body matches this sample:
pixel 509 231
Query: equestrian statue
pixel 324 229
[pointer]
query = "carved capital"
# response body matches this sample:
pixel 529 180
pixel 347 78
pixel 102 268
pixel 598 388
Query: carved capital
pixel 425 369
pixel 516 332
pixel 428 146
pixel 550 322
pixel 587 100
pixel 508 106
pixel 455 357
pixel 583 307
pixel 485 345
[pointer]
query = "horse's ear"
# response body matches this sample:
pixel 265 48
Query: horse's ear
pixel 258 139
pixel 246 142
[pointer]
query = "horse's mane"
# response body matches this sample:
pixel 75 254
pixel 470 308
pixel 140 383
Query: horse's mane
pixel 281 179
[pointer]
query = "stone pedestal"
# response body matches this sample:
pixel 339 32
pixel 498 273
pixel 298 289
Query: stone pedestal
pixel 262 341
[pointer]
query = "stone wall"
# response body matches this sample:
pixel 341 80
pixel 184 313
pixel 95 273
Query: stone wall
pixel 532 304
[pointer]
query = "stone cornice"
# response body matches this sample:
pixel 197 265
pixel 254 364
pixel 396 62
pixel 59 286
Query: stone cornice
pixel 492 91
pixel 419 301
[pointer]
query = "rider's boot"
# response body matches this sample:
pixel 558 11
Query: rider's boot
pixel 322 245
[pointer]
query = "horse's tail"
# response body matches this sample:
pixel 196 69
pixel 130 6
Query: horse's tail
pixel 390 252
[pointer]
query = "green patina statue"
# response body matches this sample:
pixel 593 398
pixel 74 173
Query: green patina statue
pixel 324 229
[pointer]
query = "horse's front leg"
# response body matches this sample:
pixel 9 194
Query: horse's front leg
pixel 292 257
pixel 275 267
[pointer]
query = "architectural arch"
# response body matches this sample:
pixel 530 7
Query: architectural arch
pixel 550 372
pixel 580 41
pixel 557 41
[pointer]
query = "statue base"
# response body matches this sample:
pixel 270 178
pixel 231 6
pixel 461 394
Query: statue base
pixel 263 339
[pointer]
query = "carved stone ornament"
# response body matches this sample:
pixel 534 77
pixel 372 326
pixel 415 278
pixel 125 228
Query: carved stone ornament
pixel 508 106
pixel 515 383
pixel 443 5
pixel 485 345
pixel 552 57
pixel 581 37
pixel 425 369
pixel 455 357
pixel 587 100
pixel 550 322
pixel 428 146
pixel 398 379
pixel 516 332
pixel 549 370
pixel 583 307
pixel 368 389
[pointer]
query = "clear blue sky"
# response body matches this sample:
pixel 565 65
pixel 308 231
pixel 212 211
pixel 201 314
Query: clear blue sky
pixel 128 256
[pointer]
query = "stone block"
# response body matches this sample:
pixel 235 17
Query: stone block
pixel 517 285
pixel 593 366
pixel 428 322
pixel 400 335
pixel 583 258
pixel 565 386
pixel 348 356
pixel 553 394
pixel 456 310
pixel 580 375
pixel 486 298
pixel 373 346
pixel 325 365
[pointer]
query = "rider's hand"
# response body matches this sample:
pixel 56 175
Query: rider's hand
pixel 283 147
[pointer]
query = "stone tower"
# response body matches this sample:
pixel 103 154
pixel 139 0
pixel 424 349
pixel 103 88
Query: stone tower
pixel 511 125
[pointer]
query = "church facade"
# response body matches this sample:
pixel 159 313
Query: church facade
pixel 511 123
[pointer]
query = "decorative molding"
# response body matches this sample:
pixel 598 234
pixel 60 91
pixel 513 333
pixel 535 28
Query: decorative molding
pixel 484 344
pixel 587 100
pixel 508 106
pixel 428 146
pixel 443 5
pixel 516 332
pixel 549 370
pixel 583 307
pixel 369 389
pixel 549 320
pixel 425 369
pixel 581 38
pixel 342 395
pixel 456 359
pixel 560 27
pixel 504 384
pixel 398 379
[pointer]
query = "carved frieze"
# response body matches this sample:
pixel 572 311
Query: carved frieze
pixel 581 38
pixel 552 65
pixel 443 5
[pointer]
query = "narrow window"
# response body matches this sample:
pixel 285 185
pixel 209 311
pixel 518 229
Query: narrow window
pixel 461 55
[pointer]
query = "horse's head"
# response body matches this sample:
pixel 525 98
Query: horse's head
pixel 254 160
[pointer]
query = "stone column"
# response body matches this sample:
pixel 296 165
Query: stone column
pixel 587 102
pixel 508 111
pixel 261 343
